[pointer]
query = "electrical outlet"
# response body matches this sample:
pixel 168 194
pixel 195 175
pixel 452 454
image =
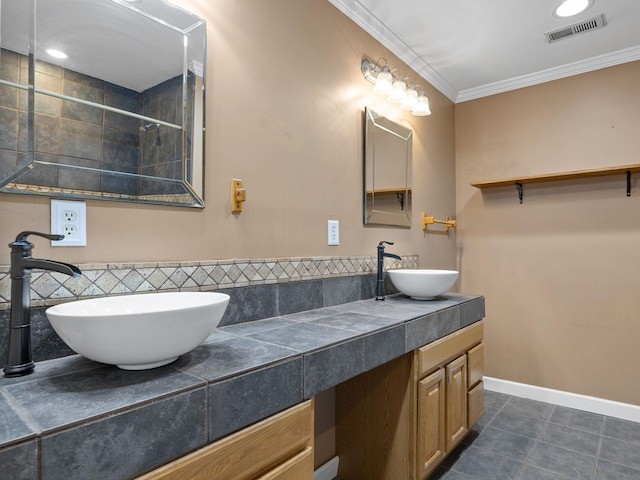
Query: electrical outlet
pixel 333 228
pixel 69 219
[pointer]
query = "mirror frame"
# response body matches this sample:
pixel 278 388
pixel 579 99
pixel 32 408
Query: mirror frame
pixel 183 187
pixel 384 204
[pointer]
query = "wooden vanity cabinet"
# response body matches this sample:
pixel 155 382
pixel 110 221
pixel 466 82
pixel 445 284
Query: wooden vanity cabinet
pixel 277 448
pixel 459 359
pixel 401 420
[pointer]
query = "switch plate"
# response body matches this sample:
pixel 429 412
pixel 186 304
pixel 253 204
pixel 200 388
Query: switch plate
pixel 334 232
pixel 69 219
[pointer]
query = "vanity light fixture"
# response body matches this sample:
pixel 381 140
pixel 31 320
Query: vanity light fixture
pixel 422 107
pixel 569 8
pixel 410 98
pixel 57 53
pixel 399 89
pixel 383 82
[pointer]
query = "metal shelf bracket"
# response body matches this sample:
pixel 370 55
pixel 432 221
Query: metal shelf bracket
pixel 520 191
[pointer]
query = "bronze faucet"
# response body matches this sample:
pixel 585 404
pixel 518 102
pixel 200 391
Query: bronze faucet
pixel 19 360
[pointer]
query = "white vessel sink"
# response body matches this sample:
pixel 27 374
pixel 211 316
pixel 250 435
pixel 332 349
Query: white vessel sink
pixel 137 332
pixel 421 284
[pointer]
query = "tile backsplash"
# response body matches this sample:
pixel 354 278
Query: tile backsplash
pixel 259 288
pixel 97 280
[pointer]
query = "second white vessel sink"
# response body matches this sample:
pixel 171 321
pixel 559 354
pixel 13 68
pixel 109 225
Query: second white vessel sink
pixel 137 332
pixel 423 284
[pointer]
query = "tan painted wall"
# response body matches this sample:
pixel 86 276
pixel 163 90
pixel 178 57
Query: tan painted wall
pixel 284 102
pixel 560 272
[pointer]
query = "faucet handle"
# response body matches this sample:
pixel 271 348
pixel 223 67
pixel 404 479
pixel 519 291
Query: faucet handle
pixel 22 236
pixel 382 243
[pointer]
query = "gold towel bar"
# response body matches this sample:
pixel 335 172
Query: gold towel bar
pixel 426 220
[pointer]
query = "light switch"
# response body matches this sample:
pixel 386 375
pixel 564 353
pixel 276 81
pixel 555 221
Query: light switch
pixel 334 232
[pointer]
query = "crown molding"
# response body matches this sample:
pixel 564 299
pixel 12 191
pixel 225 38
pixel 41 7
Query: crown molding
pixel 387 37
pixel 583 66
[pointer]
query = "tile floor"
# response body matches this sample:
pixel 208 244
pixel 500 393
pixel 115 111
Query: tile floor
pixel 521 439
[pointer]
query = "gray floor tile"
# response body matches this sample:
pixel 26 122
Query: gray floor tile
pixel 511 422
pixel 529 408
pixel 534 473
pixel 558 443
pixel 450 475
pixel 484 465
pixel 484 420
pixel 562 461
pixel 505 443
pixel 624 453
pixel 569 438
pixel 622 430
pixel 585 421
pixel 495 400
pixel 612 471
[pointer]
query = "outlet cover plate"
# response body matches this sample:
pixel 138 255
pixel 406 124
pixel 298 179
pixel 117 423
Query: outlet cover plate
pixel 70 219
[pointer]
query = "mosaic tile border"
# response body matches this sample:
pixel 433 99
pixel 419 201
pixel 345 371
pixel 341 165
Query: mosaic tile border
pixel 99 280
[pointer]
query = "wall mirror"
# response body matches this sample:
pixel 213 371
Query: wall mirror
pixel 102 99
pixel 387 171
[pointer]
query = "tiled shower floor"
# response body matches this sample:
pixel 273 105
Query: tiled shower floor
pixel 520 439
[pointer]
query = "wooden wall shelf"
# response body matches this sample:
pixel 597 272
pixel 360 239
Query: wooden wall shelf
pixel 387 191
pixel 554 177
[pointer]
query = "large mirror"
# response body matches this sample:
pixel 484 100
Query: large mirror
pixel 387 171
pixel 102 99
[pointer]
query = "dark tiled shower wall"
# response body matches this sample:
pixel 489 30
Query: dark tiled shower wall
pixel 11 113
pixel 247 304
pixel 70 133
pixel 165 160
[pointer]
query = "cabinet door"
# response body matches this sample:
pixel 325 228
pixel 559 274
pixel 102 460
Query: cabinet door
pixel 431 422
pixel 475 369
pixel 456 379
pixel 475 399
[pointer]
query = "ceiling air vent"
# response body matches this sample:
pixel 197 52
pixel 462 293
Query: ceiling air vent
pixel 582 27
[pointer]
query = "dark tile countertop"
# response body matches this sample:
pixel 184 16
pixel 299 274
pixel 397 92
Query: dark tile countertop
pixel 77 419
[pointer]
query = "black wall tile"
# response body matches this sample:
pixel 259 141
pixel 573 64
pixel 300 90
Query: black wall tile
pixel 241 401
pixel 384 346
pixel 340 290
pixel 250 303
pixel 328 367
pixel 299 296
pixel 118 446
pixel 19 462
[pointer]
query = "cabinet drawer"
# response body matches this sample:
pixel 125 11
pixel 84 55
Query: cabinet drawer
pixel 299 467
pixel 475 403
pixel 475 364
pixel 247 453
pixel 436 353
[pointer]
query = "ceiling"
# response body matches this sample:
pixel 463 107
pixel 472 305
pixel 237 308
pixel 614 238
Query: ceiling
pixel 136 44
pixel 474 48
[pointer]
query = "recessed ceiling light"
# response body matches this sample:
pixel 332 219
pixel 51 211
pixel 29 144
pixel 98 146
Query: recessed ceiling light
pixel 569 8
pixel 57 53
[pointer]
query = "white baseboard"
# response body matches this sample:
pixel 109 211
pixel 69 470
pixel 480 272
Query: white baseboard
pixel 625 411
pixel 328 471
